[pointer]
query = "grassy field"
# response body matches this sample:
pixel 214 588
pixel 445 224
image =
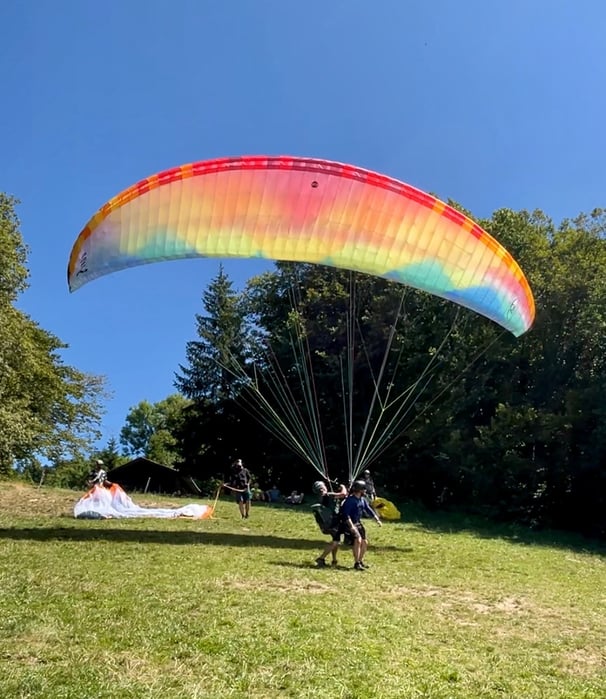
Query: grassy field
pixel 167 609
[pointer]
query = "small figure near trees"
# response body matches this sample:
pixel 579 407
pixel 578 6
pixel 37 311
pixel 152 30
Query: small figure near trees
pixel 98 475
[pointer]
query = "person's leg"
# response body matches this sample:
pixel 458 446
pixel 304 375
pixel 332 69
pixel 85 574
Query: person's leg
pixel 357 544
pixel 360 546
pixel 334 551
pixel 330 546
pixel 363 545
pixel 246 505
pixel 363 549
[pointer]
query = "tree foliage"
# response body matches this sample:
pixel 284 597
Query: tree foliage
pixel 13 253
pixel 48 409
pixel 150 429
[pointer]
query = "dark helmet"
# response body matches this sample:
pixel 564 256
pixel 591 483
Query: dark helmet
pixel 356 486
pixel 318 487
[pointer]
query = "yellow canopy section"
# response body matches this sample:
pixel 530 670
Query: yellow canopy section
pixel 386 509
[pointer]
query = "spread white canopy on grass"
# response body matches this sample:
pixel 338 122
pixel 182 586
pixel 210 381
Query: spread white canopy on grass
pixel 104 503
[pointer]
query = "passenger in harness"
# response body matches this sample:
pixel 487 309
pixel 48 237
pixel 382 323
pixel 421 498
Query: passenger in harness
pixel 326 513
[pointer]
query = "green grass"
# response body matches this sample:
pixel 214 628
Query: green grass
pixel 171 609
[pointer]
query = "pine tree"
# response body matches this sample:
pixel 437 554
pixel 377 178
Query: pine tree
pixel 221 344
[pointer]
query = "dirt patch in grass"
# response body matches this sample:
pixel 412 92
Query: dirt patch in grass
pixel 19 499
pixel 507 605
pixel 295 586
pixel 584 662
pixel 449 597
pixel 463 606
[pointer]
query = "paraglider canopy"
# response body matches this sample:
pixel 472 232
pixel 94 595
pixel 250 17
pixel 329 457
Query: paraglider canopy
pixel 306 210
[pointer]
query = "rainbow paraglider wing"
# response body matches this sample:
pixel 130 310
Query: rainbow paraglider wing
pixel 306 210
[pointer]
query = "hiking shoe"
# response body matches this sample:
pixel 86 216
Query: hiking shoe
pixel 358 566
pixel 364 565
pixel 334 564
pixel 320 563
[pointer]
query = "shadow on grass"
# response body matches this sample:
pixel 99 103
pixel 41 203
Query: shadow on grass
pixel 175 538
pixel 455 522
pixel 416 516
pixel 346 554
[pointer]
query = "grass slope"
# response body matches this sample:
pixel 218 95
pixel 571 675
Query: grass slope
pixel 229 608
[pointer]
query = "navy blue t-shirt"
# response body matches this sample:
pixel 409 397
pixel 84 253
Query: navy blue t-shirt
pixel 354 507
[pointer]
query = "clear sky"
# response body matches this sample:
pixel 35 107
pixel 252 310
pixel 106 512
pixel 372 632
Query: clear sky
pixel 490 103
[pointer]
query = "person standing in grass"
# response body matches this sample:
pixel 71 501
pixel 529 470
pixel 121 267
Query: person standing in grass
pixel 332 502
pixel 240 484
pixel 371 491
pixel 353 509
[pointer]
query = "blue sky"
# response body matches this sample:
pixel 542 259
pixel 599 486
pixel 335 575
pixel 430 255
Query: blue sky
pixel 490 103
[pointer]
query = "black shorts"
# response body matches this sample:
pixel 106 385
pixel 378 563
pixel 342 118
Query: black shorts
pixel 348 537
pixel 335 534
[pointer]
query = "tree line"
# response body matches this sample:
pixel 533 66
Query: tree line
pixel 468 416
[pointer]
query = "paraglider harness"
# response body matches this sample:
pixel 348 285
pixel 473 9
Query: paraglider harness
pixel 326 518
pixel 98 477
